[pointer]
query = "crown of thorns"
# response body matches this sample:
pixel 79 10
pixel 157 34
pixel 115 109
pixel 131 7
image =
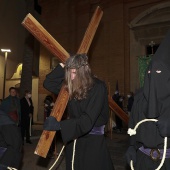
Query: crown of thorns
pixel 77 61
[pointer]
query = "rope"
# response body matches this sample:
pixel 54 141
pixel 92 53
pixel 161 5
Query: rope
pixel 73 153
pixel 164 154
pixel 10 168
pixel 133 132
pixel 131 165
pixel 58 157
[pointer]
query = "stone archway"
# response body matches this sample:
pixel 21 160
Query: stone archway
pixel 150 25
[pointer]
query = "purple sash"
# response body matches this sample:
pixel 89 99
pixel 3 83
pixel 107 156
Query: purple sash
pixel 2 151
pixel 97 130
pixel 155 153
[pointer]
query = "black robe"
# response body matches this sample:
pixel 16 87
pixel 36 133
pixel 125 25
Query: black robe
pixel 26 109
pixel 91 152
pixel 147 135
pixel 10 138
pixel 153 102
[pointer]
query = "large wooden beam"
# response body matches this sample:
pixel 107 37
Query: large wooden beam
pixel 40 33
pixel 117 110
pixel 47 137
pixel 44 37
pixel 90 32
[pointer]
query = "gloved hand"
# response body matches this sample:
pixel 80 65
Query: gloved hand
pixel 131 155
pixel 51 124
pixel 163 125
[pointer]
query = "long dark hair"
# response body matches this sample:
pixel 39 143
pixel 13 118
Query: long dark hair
pixel 83 81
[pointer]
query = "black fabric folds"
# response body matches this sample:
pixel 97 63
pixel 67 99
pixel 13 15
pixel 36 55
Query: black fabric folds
pixel 157 81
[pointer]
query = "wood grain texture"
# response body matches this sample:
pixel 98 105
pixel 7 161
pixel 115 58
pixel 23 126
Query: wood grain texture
pixel 117 110
pixel 48 136
pixel 40 33
pixel 90 31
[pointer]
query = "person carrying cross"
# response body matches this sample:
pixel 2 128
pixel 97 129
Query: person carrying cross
pixel 88 114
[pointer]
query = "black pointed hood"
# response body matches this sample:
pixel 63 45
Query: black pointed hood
pixel 157 81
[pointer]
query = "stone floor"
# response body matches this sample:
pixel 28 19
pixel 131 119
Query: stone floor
pixel 117 144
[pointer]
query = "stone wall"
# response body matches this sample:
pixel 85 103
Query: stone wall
pixel 120 38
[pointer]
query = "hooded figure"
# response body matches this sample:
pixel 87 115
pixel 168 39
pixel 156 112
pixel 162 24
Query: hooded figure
pixel 152 102
pixel 157 81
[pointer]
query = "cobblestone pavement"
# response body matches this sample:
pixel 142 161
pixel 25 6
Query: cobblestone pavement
pixel 117 144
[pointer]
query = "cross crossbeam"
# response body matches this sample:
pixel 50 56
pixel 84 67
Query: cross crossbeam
pixel 37 30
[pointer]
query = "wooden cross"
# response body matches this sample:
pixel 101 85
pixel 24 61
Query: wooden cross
pixel 52 45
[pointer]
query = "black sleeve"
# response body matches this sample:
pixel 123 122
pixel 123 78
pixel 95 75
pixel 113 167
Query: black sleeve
pixel 22 103
pixel 53 81
pixel 12 138
pixel 136 113
pixel 131 124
